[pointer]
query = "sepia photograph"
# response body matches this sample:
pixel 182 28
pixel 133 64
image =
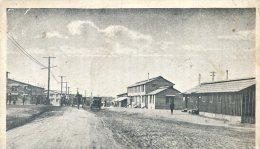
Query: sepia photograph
pixel 128 78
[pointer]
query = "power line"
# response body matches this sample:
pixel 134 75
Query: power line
pixel 23 50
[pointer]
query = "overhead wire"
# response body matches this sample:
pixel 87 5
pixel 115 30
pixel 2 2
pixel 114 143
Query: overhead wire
pixel 23 51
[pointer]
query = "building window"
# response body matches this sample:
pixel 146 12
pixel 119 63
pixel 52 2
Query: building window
pixel 167 100
pixel 153 99
pixel 203 99
pixel 142 88
pixel 232 100
pixel 219 99
pixel 211 99
pixel 14 88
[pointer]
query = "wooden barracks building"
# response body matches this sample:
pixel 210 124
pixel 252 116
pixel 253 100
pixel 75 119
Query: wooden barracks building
pixel 17 90
pixel 154 93
pixel 229 97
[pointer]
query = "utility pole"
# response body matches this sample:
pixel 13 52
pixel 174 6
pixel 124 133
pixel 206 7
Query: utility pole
pixel 199 79
pixel 66 87
pixel 61 82
pixel 7 73
pixel 68 92
pixel 49 70
pixel 227 74
pixel 213 75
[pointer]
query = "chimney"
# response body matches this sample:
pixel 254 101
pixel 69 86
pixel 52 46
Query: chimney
pixel 199 79
pixel 227 74
pixel 148 76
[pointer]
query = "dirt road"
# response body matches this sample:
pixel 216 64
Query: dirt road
pixel 70 128
pixel 139 131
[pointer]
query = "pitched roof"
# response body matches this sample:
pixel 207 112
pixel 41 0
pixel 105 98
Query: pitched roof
pixel 120 99
pixel 25 83
pixel 147 81
pixel 122 94
pixel 223 86
pixel 158 90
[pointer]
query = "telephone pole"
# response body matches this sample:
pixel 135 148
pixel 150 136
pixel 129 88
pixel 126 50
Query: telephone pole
pixel 213 75
pixel 66 87
pixel 49 70
pixel 61 83
pixel 7 73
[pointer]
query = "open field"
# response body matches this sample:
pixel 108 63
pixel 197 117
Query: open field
pixel 17 115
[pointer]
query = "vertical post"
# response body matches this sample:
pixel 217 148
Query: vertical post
pixel 61 78
pixel 66 88
pixel 48 93
pixel 7 73
pixel 227 74
pixel 49 69
pixel 199 79
pixel 213 75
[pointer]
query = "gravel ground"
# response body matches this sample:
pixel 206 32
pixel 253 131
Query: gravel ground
pixel 135 130
pixel 68 128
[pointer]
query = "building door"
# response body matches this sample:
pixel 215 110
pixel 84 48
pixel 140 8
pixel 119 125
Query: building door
pixel 146 101
pixel 169 99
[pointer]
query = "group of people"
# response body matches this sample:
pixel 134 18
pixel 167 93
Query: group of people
pixel 77 100
pixel 12 99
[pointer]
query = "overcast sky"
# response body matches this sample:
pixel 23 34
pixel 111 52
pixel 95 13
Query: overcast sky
pixel 105 50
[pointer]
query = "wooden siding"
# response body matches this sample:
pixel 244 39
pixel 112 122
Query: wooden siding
pixel 160 100
pixel 224 103
pixel 237 104
pixel 248 105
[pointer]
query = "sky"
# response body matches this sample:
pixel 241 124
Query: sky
pixel 105 50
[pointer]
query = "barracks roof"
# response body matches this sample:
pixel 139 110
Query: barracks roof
pixel 222 86
pixel 147 81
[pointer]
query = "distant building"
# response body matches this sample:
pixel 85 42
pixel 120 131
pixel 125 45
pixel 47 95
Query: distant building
pixel 154 93
pixel 17 90
pixel 229 97
pixel 54 97
pixel 121 100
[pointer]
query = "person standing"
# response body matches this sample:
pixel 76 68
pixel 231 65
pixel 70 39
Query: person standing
pixel 172 107
pixel 78 99
pixel 23 99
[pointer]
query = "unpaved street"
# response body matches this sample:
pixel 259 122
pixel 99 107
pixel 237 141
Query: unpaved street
pixel 139 131
pixel 70 128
